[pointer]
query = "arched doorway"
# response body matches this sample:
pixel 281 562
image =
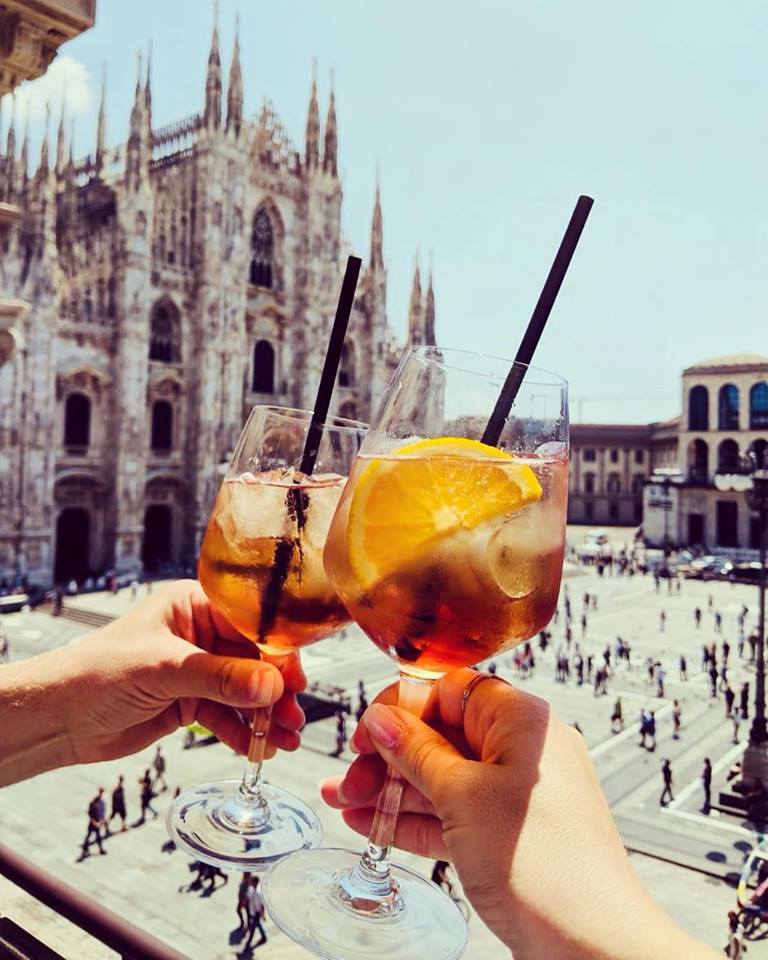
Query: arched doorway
pixel 73 533
pixel 158 531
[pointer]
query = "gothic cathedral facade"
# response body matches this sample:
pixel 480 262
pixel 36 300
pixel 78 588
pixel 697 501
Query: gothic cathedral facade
pixel 174 281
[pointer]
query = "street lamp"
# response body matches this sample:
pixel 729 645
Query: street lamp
pixel 753 481
pixel 666 483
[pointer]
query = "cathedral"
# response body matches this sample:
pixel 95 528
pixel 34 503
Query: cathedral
pixel 174 281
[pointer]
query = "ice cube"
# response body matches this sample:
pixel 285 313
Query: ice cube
pixel 251 510
pixel 515 553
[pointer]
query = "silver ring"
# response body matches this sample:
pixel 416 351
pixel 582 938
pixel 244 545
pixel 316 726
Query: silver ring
pixel 478 678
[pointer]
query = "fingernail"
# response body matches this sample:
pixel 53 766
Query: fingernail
pixel 340 795
pixel 263 686
pixel 382 724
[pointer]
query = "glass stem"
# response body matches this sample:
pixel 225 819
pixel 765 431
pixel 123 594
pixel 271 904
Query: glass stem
pixel 373 871
pixel 250 787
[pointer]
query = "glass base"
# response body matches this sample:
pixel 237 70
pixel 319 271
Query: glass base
pixel 307 896
pixel 216 824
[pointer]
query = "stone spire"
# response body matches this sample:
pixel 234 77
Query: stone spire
pixel 312 152
pixel 44 161
pixel 429 314
pixel 24 159
pixel 415 311
pixel 61 148
pixel 235 88
pixel 71 161
pixel 101 127
pixel 148 89
pixel 137 151
pixel 377 233
pixel 10 143
pixel 212 114
pixel 330 147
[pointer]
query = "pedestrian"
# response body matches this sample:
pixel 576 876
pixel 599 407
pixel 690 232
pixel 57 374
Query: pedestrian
pixel 255 910
pixel 617 717
pixel 58 601
pixel 706 785
pixel 718 622
pixel 752 640
pixel 593 598
pixel 723 677
pixel 678 585
pixel 651 729
pixel 736 719
pixel 583 624
pixel 644 717
pixel 704 658
pixel 96 815
pixel 666 775
pixel 578 664
pixel 662 621
pixel 491 669
pixel 4 654
pixel 650 667
pixel 669 586
pixel 146 796
pixel 341 733
pixel 676 719
pixel 744 700
pixel 362 704
pixel 697 617
pixel 657 581
pixel 607 657
pixel 134 589
pixel 118 804
pixel 628 655
pixel 568 634
pixel 159 766
pixel 740 643
pixel 730 696
pixel 712 680
pixel 683 667
pixel 586 602
pixel 660 674
pixel 726 651
pixel 590 664
pixel 242 901
pixel 710 603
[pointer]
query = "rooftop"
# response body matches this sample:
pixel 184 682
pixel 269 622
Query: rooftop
pixel 732 363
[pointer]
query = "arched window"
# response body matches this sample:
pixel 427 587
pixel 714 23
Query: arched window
pixel 162 426
pixel 263 367
pixel 77 420
pixel 698 408
pixel 262 249
pixel 165 333
pixel 728 407
pixel 589 483
pixel 728 457
pixel 347 366
pixel 698 461
pixel 758 406
pixel 637 484
pixel 613 484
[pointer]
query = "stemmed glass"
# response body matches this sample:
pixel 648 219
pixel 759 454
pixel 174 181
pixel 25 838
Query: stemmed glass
pixel 446 551
pixel 261 565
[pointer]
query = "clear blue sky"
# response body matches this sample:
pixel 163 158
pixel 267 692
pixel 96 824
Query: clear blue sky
pixel 488 120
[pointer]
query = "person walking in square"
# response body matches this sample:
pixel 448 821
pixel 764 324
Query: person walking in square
pixel 146 796
pixel 736 718
pixel 726 652
pixel 676 719
pixel 718 622
pixel 683 667
pixel 159 767
pixel 617 717
pixel 659 673
pixel 255 910
pixel 341 734
pixel 242 901
pixel 666 774
pixel 662 621
pixel 744 700
pixel 730 696
pixel 706 785
pixel 96 814
pixel 583 624
pixel 118 804
pixel 697 617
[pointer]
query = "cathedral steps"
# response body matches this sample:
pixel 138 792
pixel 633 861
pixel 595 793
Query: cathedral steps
pixel 89 618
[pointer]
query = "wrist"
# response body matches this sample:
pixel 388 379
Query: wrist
pixel 35 735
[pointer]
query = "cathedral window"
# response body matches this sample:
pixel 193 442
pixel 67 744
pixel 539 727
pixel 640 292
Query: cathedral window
pixel 347 366
pixel 165 334
pixel 162 426
pixel 698 408
pixel 77 421
pixel 263 367
pixel 758 406
pixel 262 250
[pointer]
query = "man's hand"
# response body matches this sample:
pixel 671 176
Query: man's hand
pixel 168 662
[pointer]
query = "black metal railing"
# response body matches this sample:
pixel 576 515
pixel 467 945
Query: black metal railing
pixel 128 940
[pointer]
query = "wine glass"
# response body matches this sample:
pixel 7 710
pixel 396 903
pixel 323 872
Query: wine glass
pixel 261 565
pixel 446 551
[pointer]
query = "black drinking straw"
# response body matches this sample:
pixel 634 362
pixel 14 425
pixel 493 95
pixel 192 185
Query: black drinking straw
pixel 294 500
pixel 538 320
pixel 331 365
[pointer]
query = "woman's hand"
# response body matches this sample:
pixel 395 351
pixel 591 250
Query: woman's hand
pixel 168 662
pixel 508 794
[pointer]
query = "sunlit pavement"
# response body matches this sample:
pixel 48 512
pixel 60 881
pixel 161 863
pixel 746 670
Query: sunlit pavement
pixel 45 818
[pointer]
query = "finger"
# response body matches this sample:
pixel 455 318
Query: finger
pixel 360 742
pixel 419 753
pixel 334 792
pixel 362 781
pixel 287 713
pixel 293 674
pixel 414 832
pixel 280 739
pixel 225 724
pixel 230 680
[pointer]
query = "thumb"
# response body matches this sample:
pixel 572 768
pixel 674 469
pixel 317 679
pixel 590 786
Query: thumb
pixel 235 681
pixel 416 751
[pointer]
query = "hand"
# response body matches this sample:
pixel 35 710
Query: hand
pixel 509 795
pixel 168 662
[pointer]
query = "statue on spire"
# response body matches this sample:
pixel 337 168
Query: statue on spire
pixel 377 233
pixel 101 127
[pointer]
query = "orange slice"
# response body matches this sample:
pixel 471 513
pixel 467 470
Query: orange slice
pixel 425 491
